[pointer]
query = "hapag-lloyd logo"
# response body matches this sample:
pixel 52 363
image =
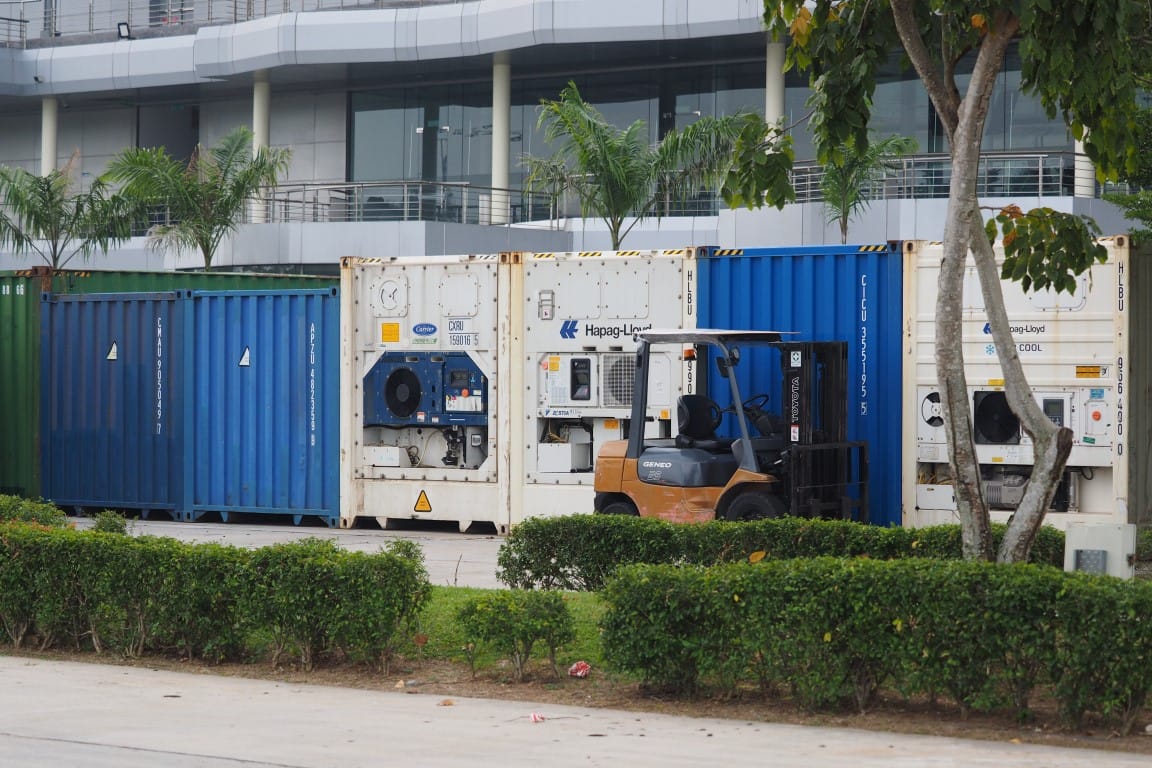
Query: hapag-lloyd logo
pixel 1020 330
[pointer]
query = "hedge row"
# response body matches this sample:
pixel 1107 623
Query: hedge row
pixel 581 552
pixel 133 595
pixel 834 631
pixel 15 509
pixel 513 621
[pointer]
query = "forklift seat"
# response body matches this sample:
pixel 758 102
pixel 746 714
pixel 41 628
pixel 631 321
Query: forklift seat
pixel 696 418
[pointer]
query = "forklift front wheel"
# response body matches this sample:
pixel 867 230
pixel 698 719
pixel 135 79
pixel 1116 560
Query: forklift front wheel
pixel 755 505
pixel 620 507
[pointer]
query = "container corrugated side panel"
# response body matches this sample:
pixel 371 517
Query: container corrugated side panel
pixel 110 378
pixel 265 406
pixel 1139 331
pixel 20 438
pixel 19 385
pixel 847 293
pixel 100 281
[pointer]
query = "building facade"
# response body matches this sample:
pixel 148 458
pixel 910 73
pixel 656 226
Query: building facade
pixel 408 119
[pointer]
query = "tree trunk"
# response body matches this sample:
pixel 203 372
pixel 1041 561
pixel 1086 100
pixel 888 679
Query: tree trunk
pixel 975 526
pixel 1051 444
pixel 963 219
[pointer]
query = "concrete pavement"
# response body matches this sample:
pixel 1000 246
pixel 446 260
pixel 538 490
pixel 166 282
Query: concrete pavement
pixel 92 716
pixel 452 558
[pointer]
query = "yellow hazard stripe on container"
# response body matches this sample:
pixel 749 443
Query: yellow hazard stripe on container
pixel 728 252
pixel 872 248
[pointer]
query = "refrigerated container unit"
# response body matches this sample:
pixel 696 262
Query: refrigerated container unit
pixel 425 400
pixel 577 355
pixel 20 312
pixel 1083 355
pixel 192 402
pixel 849 293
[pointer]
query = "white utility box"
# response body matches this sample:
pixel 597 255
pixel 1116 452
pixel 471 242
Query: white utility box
pixel 1101 548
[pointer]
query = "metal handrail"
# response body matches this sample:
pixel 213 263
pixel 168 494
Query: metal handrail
pixel 1001 174
pixel 66 18
pixel 1049 174
pixel 450 202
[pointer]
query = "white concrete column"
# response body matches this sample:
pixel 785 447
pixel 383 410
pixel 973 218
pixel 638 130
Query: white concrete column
pixel 774 82
pixel 1085 185
pixel 501 134
pixel 261 129
pixel 261 109
pixel 49 131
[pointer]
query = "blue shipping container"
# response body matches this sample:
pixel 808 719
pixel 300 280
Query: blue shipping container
pixel 851 293
pixel 110 379
pixel 193 402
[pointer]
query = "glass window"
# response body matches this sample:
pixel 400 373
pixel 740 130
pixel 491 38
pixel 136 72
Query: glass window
pixel 434 134
pixel 444 132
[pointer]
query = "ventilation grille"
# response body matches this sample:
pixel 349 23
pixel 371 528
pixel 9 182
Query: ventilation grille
pixel 619 379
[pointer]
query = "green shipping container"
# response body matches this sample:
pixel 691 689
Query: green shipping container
pixel 20 345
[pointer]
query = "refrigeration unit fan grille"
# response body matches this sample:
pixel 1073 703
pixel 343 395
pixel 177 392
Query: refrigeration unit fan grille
pixel 993 420
pixel 619 380
pixel 402 392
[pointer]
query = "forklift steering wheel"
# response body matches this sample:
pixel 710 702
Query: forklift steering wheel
pixel 756 403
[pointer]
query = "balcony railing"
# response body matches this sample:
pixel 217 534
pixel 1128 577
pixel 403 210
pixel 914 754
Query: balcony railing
pixel 923 176
pixel 24 21
pixel 456 202
pixel 1050 174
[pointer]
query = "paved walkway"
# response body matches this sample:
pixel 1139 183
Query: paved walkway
pixel 61 714
pixel 452 558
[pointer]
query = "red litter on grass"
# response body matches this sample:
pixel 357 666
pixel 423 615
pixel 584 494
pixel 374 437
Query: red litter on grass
pixel 579 669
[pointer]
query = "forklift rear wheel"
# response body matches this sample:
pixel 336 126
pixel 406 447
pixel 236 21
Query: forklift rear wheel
pixel 620 507
pixel 755 505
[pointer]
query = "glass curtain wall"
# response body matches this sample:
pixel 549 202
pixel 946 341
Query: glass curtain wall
pixel 443 133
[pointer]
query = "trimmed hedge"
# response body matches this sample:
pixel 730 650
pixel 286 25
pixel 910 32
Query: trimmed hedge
pixel 134 595
pixel 514 621
pixel 833 632
pixel 15 509
pixel 580 552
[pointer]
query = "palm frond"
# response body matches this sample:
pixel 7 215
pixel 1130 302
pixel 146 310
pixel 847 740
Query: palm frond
pixel 206 196
pixel 48 216
pixel 617 173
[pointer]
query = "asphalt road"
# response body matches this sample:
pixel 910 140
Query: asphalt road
pixel 61 714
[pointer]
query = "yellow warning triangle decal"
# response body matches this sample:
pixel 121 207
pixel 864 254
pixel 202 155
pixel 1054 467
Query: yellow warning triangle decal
pixel 422 503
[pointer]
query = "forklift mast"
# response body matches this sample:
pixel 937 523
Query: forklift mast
pixel 814 394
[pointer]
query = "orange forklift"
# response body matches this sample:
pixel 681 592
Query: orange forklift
pixel 733 457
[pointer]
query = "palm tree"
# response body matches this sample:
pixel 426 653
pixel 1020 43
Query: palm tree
pixel 48 216
pixel 615 173
pixel 847 179
pixel 204 197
